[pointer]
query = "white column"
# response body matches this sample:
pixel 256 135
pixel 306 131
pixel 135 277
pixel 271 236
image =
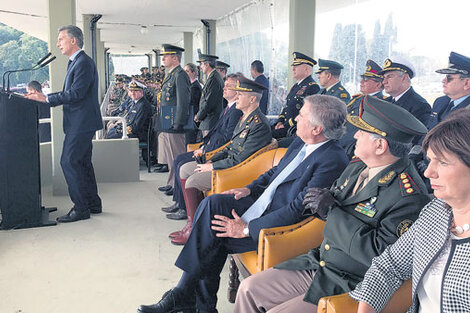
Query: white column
pixel 188 48
pixel 100 65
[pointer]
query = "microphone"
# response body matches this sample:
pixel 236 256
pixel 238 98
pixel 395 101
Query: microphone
pixel 40 64
pixel 42 60
pixel 47 62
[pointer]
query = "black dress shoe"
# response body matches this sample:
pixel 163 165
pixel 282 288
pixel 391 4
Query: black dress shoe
pixel 165 188
pixel 74 216
pixel 171 209
pixel 178 215
pixel 173 301
pixel 96 210
pixel 162 169
pixel 169 192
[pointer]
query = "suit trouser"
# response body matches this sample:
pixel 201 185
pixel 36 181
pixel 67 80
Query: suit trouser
pixel 204 254
pixel 275 291
pixel 169 146
pixel 78 170
pixel 201 181
pixel 179 161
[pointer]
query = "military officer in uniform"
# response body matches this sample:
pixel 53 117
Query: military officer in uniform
pixel 222 68
pixel 250 134
pixel 371 84
pixel 210 105
pixel 302 68
pixel 373 202
pixel 175 92
pixel 328 76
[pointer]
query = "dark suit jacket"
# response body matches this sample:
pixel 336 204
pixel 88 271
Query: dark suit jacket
pixel 210 105
pixel 223 130
pixel 415 104
pixel 79 97
pixel 263 103
pixel 138 119
pixel 196 91
pixel 439 110
pixel 320 169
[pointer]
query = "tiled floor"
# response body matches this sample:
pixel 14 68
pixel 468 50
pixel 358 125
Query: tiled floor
pixel 108 264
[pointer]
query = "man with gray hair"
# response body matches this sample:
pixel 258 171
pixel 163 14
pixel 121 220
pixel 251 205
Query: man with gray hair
pixel 231 222
pixel 82 118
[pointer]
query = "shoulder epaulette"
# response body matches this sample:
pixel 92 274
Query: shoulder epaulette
pixel 407 185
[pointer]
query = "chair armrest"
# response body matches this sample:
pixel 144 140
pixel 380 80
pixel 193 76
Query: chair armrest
pixel 193 146
pixel 280 244
pixel 399 303
pixel 210 154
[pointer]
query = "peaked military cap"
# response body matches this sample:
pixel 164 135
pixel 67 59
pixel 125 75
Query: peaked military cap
pixel 144 68
pixel 136 86
pixel 397 63
pixel 328 65
pixel 373 70
pixel 458 64
pixel 206 58
pixel 170 49
pixel 387 120
pixel 247 85
pixel 300 58
pixel 222 65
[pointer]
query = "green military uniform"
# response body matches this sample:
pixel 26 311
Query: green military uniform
pixel 338 91
pixel 176 92
pixel 248 136
pixel 363 222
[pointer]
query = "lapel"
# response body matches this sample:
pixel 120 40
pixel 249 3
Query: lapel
pixel 208 79
pixel 404 99
pixel 463 104
pixel 69 69
pixel 372 187
pixel 239 128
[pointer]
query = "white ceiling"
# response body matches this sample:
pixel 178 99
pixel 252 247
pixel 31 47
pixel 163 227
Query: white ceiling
pixel 122 19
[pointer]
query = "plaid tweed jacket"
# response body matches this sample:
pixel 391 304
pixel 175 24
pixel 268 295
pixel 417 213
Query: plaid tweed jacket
pixel 412 255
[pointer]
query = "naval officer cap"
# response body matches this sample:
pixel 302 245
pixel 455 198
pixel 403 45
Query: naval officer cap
pixel 207 58
pixel 135 86
pixel 387 120
pixel 300 58
pixel 247 85
pixel 324 65
pixel 458 64
pixel 222 65
pixel 373 70
pixel 398 63
pixel 171 49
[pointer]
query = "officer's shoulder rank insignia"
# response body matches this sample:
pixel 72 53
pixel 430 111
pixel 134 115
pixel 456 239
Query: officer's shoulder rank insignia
pixel 388 177
pixel 343 95
pixel 403 227
pixel 407 185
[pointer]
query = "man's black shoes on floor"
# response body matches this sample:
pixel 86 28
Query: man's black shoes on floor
pixel 173 301
pixel 169 192
pixel 171 209
pixel 73 216
pixel 178 215
pixel 162 169
pixel 164 188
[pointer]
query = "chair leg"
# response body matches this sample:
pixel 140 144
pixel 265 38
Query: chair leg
pixel 233 281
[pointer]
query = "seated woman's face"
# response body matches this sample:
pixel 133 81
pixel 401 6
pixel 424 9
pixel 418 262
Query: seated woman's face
pixel 449 177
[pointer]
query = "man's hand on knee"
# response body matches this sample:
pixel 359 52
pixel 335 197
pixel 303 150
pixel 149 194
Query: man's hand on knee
pixel 203 168
pixel 238 192
pixel 228 227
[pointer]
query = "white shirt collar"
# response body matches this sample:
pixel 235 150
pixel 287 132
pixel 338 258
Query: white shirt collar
pixel 73 56
pixel 312 147
pixel 400 95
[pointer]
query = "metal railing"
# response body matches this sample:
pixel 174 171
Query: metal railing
pixel 114 118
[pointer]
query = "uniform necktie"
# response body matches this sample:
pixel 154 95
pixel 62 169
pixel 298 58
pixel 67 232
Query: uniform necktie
pixel 257 209
pixel 393 100
pixel 361 181
pixel 323 91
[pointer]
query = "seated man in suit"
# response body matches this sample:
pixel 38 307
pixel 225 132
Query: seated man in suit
pixel 250 134
pixel 217 137
pixel 137 117
pixel 373 202
pixel 274 199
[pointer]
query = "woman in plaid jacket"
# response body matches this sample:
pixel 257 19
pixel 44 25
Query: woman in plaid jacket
pixel 435 251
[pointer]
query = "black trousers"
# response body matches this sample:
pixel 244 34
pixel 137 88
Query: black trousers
pixel 78 171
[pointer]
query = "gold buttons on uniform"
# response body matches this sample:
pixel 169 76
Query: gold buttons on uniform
pixel 327 247
pixel 322 263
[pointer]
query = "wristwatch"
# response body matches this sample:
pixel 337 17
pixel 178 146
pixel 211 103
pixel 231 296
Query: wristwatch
pixel 246 231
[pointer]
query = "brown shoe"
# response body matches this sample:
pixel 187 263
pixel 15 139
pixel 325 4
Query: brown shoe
pixel 179 232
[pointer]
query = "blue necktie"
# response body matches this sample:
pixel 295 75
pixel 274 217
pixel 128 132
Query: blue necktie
pixel 257 209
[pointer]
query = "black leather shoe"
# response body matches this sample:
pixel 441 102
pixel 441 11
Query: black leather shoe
pixel 96 210
pixel 171 209
pixel 178 215
pixel 173 301
pixel 74 216
pixel 169 192
pixel 162 169
pixel 165 188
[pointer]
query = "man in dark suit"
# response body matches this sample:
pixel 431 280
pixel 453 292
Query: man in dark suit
pixel 217 137
pixel 373 202
pixel 210 106
pixel 257 72
pixel 82 118
pixel 398 72
pixel 231 222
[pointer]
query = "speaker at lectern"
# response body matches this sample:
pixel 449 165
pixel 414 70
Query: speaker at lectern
pixel 20 177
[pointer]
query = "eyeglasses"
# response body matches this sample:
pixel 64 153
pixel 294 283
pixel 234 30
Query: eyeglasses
pixel 450 78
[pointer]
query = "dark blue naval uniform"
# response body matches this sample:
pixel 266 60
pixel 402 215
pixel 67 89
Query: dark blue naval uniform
pixel 442 107
pixel 204 254
pixel 294 102
pixel 137 118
